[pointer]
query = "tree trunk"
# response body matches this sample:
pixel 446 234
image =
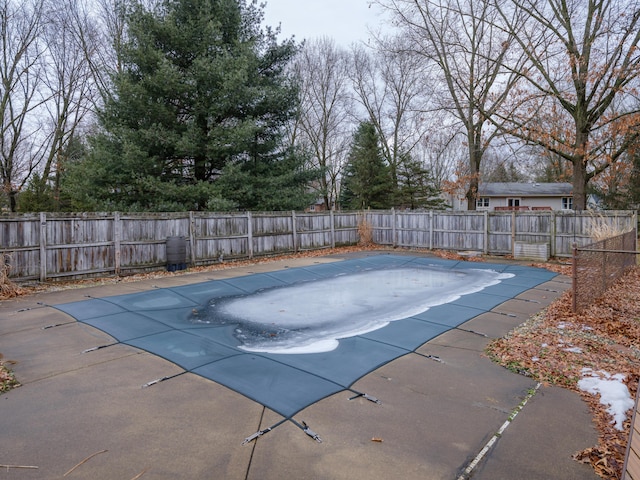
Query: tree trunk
pixel 324 185
pixel 579 160
pixel 13 202
pixel 200 160
pixel 579 184
pixel 472 193
pixel 475 157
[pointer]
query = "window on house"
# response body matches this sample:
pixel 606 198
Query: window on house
pixel 482 202
pixel 312 208
pixel 567 203
pixel 513 202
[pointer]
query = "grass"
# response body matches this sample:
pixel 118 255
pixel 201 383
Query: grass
pixel 601 228
pixel 365 233
pixel 8 289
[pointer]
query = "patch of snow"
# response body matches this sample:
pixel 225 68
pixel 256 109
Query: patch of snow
pixel 573 350
pixel 613 393
pixel 584 327
pixel 535 359
pixel 311 317
pixel 544 345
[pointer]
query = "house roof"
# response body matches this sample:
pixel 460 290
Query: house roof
pixel 515 189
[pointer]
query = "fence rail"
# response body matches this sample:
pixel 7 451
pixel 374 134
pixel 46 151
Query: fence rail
pixel 46 245
pixel 598 265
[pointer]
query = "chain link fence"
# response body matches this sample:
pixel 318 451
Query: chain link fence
pixel 598 265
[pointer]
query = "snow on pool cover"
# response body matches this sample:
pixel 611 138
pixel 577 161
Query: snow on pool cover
pixel 290 338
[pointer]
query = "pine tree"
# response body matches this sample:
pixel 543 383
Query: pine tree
pixel 367 180
pixel 203 92
pixel 416 186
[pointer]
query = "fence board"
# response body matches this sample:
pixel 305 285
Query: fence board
pixel 75 245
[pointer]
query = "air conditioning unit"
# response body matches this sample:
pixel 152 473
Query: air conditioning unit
pixel 531 251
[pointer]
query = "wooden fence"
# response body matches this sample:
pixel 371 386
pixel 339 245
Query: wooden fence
pixel 46 246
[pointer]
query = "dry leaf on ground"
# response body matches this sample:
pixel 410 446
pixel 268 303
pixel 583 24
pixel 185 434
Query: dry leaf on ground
pixel 554 346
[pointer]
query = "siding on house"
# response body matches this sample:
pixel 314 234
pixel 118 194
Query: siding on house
pixel 531 195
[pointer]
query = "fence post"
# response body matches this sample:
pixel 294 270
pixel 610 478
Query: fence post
pixel 294 231
pixel 43 246
pixel 552 234
pixel 634 240
pixel 117 238
pixel 250 234
pixel 192 237
pixel 394 232
pixel 574 278
pixel 332 219
pixel 603 271
pixel 485 234
pixel 430 229
pixel 513 233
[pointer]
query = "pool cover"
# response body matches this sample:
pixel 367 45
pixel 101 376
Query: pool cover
pixel 161 322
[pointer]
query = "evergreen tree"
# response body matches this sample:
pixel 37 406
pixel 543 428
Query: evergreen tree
pixel 202 93
pixel 53 194
pixel 367 180
pixel 264 186
pixel 416 187
pixel 37 197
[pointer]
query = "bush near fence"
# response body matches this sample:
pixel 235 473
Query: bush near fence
pixel 49 246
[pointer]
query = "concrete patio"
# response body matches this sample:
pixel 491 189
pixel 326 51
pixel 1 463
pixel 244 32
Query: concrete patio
pixel 434 419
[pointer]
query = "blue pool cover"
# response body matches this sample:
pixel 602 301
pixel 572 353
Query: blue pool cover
pixel 157 322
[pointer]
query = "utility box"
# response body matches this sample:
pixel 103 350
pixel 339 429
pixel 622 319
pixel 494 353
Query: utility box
pixel 176 253
pixel 531 251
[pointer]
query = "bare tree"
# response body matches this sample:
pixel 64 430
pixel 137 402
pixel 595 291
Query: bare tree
pixel 582 61
pixel 442 153
pixel 462 39
pixel 21 25
pixel 392 85
pixel 71 40
pixel 325 120
pixel 105 55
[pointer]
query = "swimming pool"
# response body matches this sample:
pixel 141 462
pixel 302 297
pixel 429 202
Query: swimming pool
pixel 231 330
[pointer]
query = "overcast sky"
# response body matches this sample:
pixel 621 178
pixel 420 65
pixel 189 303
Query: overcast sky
pixel 345 21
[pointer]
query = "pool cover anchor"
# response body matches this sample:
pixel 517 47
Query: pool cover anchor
pixel 311 433
pixel 99 347
pixel 40 305
pixel 54 325
pixel 153 382
pixel 435 358
pixel 260 433
pixel 256 435
pixel 162 379
pixel 366 396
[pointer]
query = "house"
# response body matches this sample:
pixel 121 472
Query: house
pixel 318 206
pixel 525 196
